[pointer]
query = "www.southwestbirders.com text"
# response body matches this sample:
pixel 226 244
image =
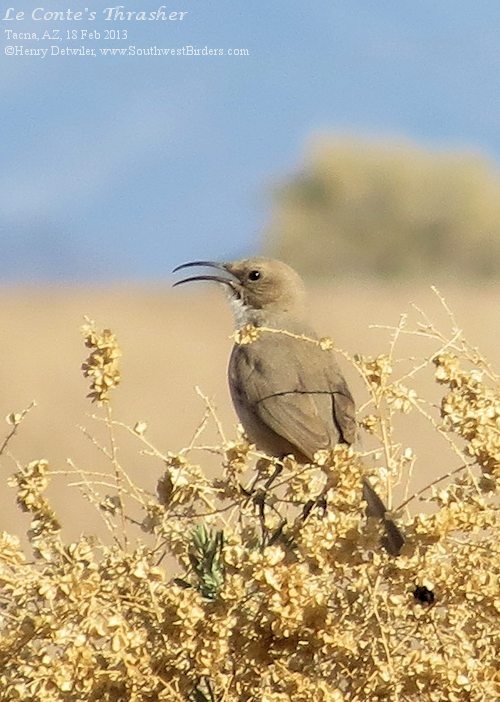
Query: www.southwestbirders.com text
pixel 53 50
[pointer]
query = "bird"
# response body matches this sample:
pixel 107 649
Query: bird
pixel 290 396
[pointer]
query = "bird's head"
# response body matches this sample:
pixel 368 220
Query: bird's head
pixel 258 287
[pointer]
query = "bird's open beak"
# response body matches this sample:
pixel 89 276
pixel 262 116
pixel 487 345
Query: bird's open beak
pixel 233 283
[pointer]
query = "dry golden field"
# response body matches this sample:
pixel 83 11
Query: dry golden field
pixel 171 342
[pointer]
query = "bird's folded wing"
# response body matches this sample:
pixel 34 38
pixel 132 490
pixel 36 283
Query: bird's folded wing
pixel 295 416
pixel 302 397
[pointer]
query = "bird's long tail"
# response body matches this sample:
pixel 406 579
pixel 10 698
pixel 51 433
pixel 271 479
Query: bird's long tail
pixel 394 540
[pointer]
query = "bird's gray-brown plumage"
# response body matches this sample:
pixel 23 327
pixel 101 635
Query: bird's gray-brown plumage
pixel 289 394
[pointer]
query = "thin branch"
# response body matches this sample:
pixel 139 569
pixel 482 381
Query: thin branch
pixel 16 420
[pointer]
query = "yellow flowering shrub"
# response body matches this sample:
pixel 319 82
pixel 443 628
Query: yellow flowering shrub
pixel 272 597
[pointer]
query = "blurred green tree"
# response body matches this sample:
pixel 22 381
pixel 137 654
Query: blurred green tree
pixel 388 210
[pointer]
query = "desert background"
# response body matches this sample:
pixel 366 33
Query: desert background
pixel 358 143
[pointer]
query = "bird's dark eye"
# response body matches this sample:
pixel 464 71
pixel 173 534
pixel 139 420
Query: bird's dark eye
pixel 254 275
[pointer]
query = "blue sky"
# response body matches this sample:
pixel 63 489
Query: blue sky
pixel 118 168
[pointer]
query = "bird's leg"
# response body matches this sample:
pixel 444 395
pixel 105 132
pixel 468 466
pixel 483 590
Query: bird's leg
pixel 249 491
pixel 258 471
pixel 270 535
pixel 278 469
pixel 260 500
pixel 319 501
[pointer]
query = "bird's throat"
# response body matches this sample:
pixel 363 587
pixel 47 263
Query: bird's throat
pixel 242 313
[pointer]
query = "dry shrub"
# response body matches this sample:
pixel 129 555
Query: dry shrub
pixel 267 605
